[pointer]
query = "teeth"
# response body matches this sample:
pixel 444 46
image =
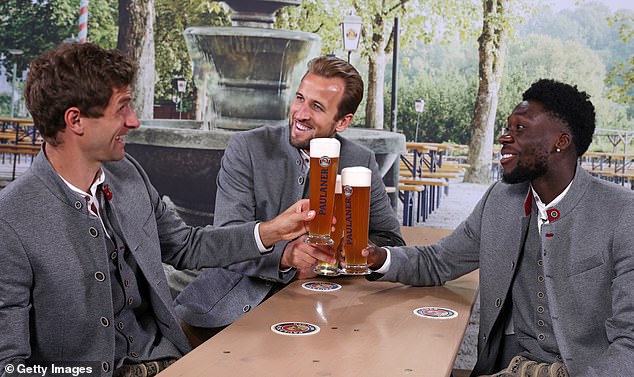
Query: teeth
pixel 301 127
pixel 507 155
pixel 119 138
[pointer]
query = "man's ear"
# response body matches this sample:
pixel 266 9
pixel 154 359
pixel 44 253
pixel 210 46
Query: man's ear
pixel 343 123
pixel 564 141
pixel 73 122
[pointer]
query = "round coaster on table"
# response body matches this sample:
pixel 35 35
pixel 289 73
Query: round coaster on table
pixel 435 313
pixel 295 328
pixel 321 286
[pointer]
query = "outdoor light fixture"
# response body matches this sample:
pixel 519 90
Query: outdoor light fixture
pixel 351 33
pixel 419 105
pixel 181 86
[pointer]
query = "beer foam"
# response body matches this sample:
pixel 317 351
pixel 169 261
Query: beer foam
pixel 356 176
pixel 324 146
pixel 338 189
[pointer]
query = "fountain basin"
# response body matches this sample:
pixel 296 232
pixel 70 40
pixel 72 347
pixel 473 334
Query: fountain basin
pixel 246 76
pixel 183 161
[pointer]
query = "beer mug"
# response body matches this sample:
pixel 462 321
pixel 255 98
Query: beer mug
pixel 324 160
pixel 324 268
pixel 356 197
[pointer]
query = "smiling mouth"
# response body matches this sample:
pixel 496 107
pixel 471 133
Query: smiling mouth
pixel 506 157
pixel 120 138
pixel 301 127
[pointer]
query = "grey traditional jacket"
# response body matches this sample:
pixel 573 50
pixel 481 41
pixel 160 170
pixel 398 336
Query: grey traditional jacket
pixel 55 295
pixel 588 262
pixel 261 175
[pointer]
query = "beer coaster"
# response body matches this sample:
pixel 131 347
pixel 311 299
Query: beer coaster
pixel 321 286
pixel 295 328
pixel 435 313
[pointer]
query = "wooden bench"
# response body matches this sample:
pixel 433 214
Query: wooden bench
pixel 16 151
pixel 406 196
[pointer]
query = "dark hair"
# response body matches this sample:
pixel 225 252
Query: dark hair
pixel 331 66
pixel 73 74
pixel 568 104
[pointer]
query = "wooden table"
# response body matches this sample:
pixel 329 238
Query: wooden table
pixel 367 329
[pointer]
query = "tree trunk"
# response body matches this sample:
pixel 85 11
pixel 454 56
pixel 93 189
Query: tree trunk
pixel 492 51
pixel 136 38
pixel 376 85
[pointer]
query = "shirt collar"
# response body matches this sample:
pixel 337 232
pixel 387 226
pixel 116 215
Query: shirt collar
pixel 99 179
pixel 542 207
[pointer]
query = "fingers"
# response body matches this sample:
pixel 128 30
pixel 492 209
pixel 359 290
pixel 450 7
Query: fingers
pixel 304 256
pixel 376 256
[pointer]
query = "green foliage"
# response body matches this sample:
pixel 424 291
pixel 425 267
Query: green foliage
pixel 5 103
pixel 29 26
pixel 620 79
pixel 445 77
pixel 172 57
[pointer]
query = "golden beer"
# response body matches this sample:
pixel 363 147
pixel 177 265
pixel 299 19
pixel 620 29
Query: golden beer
pixel 356 183
pixel 324 268
pixel 324 160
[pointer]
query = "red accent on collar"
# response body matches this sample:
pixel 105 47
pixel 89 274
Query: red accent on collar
pixel 528 203
pixel 553 214
pixel 106 191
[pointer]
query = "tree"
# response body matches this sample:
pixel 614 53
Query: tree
pixel 499 16
pixel 172 58
pixel 620 79
pixel 136 38
pixel 492 50
pixel 420 20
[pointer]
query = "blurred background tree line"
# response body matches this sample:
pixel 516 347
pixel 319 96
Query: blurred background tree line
pixel 588 45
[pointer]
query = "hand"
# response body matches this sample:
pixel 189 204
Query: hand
pixel 288 225
pixel 304 257
pixel 376 256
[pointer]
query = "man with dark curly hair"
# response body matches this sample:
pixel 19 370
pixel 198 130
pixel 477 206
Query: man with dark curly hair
pixel 554 246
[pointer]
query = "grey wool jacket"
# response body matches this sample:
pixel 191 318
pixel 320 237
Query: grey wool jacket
pixel 588 262
pixel 55 289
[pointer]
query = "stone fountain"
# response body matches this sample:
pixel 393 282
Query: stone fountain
pixel 246 76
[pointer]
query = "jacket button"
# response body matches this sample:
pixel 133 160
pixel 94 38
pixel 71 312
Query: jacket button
pixel 498 302
pixel 300 180
pixel 134 354
pixel 78 205
pixel 120 325
pixel 104 321
pixel 99 276
pixel 541 337
pixel 105 366
pixel 130 301
pixel 298 162
pixel 93 232
pixel 540 309
pixel 246 308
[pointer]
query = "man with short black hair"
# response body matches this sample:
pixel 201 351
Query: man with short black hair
pixel 554 246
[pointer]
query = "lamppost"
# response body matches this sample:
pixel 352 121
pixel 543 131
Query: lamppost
pixel 419 106
pixel 15 54
pixel 351 33
pixel 181 87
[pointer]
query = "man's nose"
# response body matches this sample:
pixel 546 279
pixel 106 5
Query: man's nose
pixel 132 120
pixel 302 111
pixel 505 137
